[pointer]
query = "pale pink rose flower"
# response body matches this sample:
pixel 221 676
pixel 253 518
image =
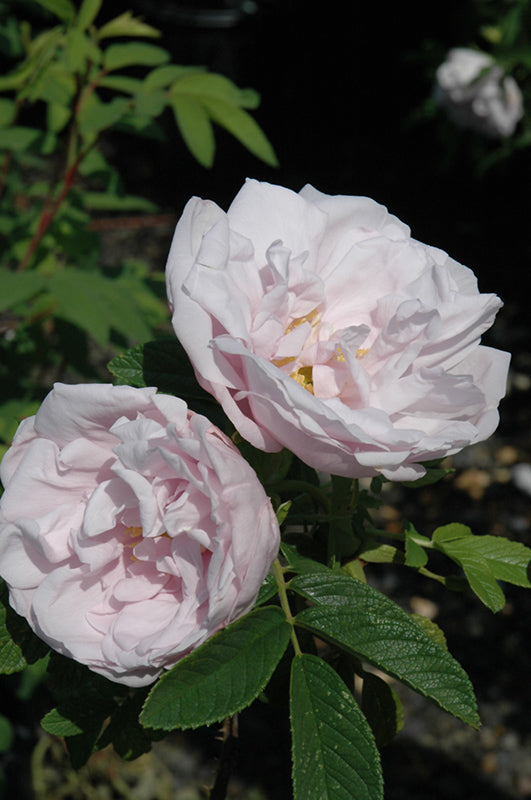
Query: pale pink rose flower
pixel 321 326
pixel 477 94
pixel 131 529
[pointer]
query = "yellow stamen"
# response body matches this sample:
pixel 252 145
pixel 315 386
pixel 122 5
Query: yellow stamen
pixel 362 351
pixel 304 377
pixel 311 317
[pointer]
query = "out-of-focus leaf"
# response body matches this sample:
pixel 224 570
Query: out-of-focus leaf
pixel 96 116
pixel 104 201
pixel 162 77
pixel 8 111
pixel 87 13
pixel 118 56
pixel 19 138
pixel 243 127
pixel 18 287
pixel 127 25
pixel 63 9
pixel 195 128
pixel 383 709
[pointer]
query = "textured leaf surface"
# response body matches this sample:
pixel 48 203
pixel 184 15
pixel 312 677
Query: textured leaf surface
pixel 334 753
pixel 359 619
pixel 221 677
pixel 18 644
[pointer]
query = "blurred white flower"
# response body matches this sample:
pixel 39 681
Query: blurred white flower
pixel 477 94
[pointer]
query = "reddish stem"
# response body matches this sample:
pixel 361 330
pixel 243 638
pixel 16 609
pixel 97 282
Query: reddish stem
pixel 49 213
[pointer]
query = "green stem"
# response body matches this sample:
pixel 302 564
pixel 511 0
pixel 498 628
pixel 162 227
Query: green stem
pixel 278 573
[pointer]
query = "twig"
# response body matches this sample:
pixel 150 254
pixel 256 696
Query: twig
pixel 229 734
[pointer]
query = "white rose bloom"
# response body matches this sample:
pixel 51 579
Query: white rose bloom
pixel 477 94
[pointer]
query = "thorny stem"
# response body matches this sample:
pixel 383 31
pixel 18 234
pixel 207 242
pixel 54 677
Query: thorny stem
pixel 229 735
pixel 278 573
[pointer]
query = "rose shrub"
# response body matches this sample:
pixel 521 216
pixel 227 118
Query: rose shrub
pixel 321 326
pixel 477 94
pixel 131 529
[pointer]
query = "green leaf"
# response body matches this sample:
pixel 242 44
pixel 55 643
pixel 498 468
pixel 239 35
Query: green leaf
pixel 195 128
pixel 357 618
pixel 124 731
pixel 334 753
pixel 63 9
pixel 122 83
pixel 243 127
pixel 118 56
pixel 84 701
pixel 87 13
pixel 477 571
pixel 268 589
pixel 416 556
pixel 18 287
pixel 96 116
pixel 18 644
pixel 448 533
pixel 221 677
pixel 18 138
pixel 127 25
pixel 164 363
pixel 8 111
pixel 209 85
pixel 162 77
pixel 302 565
pixel 7 734
pixel 53 722
pixel 105 201
pixel 100 305
pixel 382 707
pixel 57 117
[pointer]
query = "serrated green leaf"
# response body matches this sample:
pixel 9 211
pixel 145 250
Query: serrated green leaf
pixel 118 56
pixel 431 628
pixel 127 25
pixel 18 287
pixel 87 13
pixel 63 9
pixel 221 677
pixel 357 618
pixel 84 701
pixel 124 731
pixel 375 553
pixel 18 644
pixel 8 111
pixel 477 571
pixel 334 753
pixel 195 128
pixel 302 565
pixel 268 589
pixel 162 363
pixel 243 127
pixel 383 709
pixel 53 722
pixel 18 138
pixel 451 532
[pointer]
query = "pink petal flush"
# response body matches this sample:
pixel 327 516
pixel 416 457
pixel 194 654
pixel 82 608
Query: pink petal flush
pixel 321 326
pixel 131 529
